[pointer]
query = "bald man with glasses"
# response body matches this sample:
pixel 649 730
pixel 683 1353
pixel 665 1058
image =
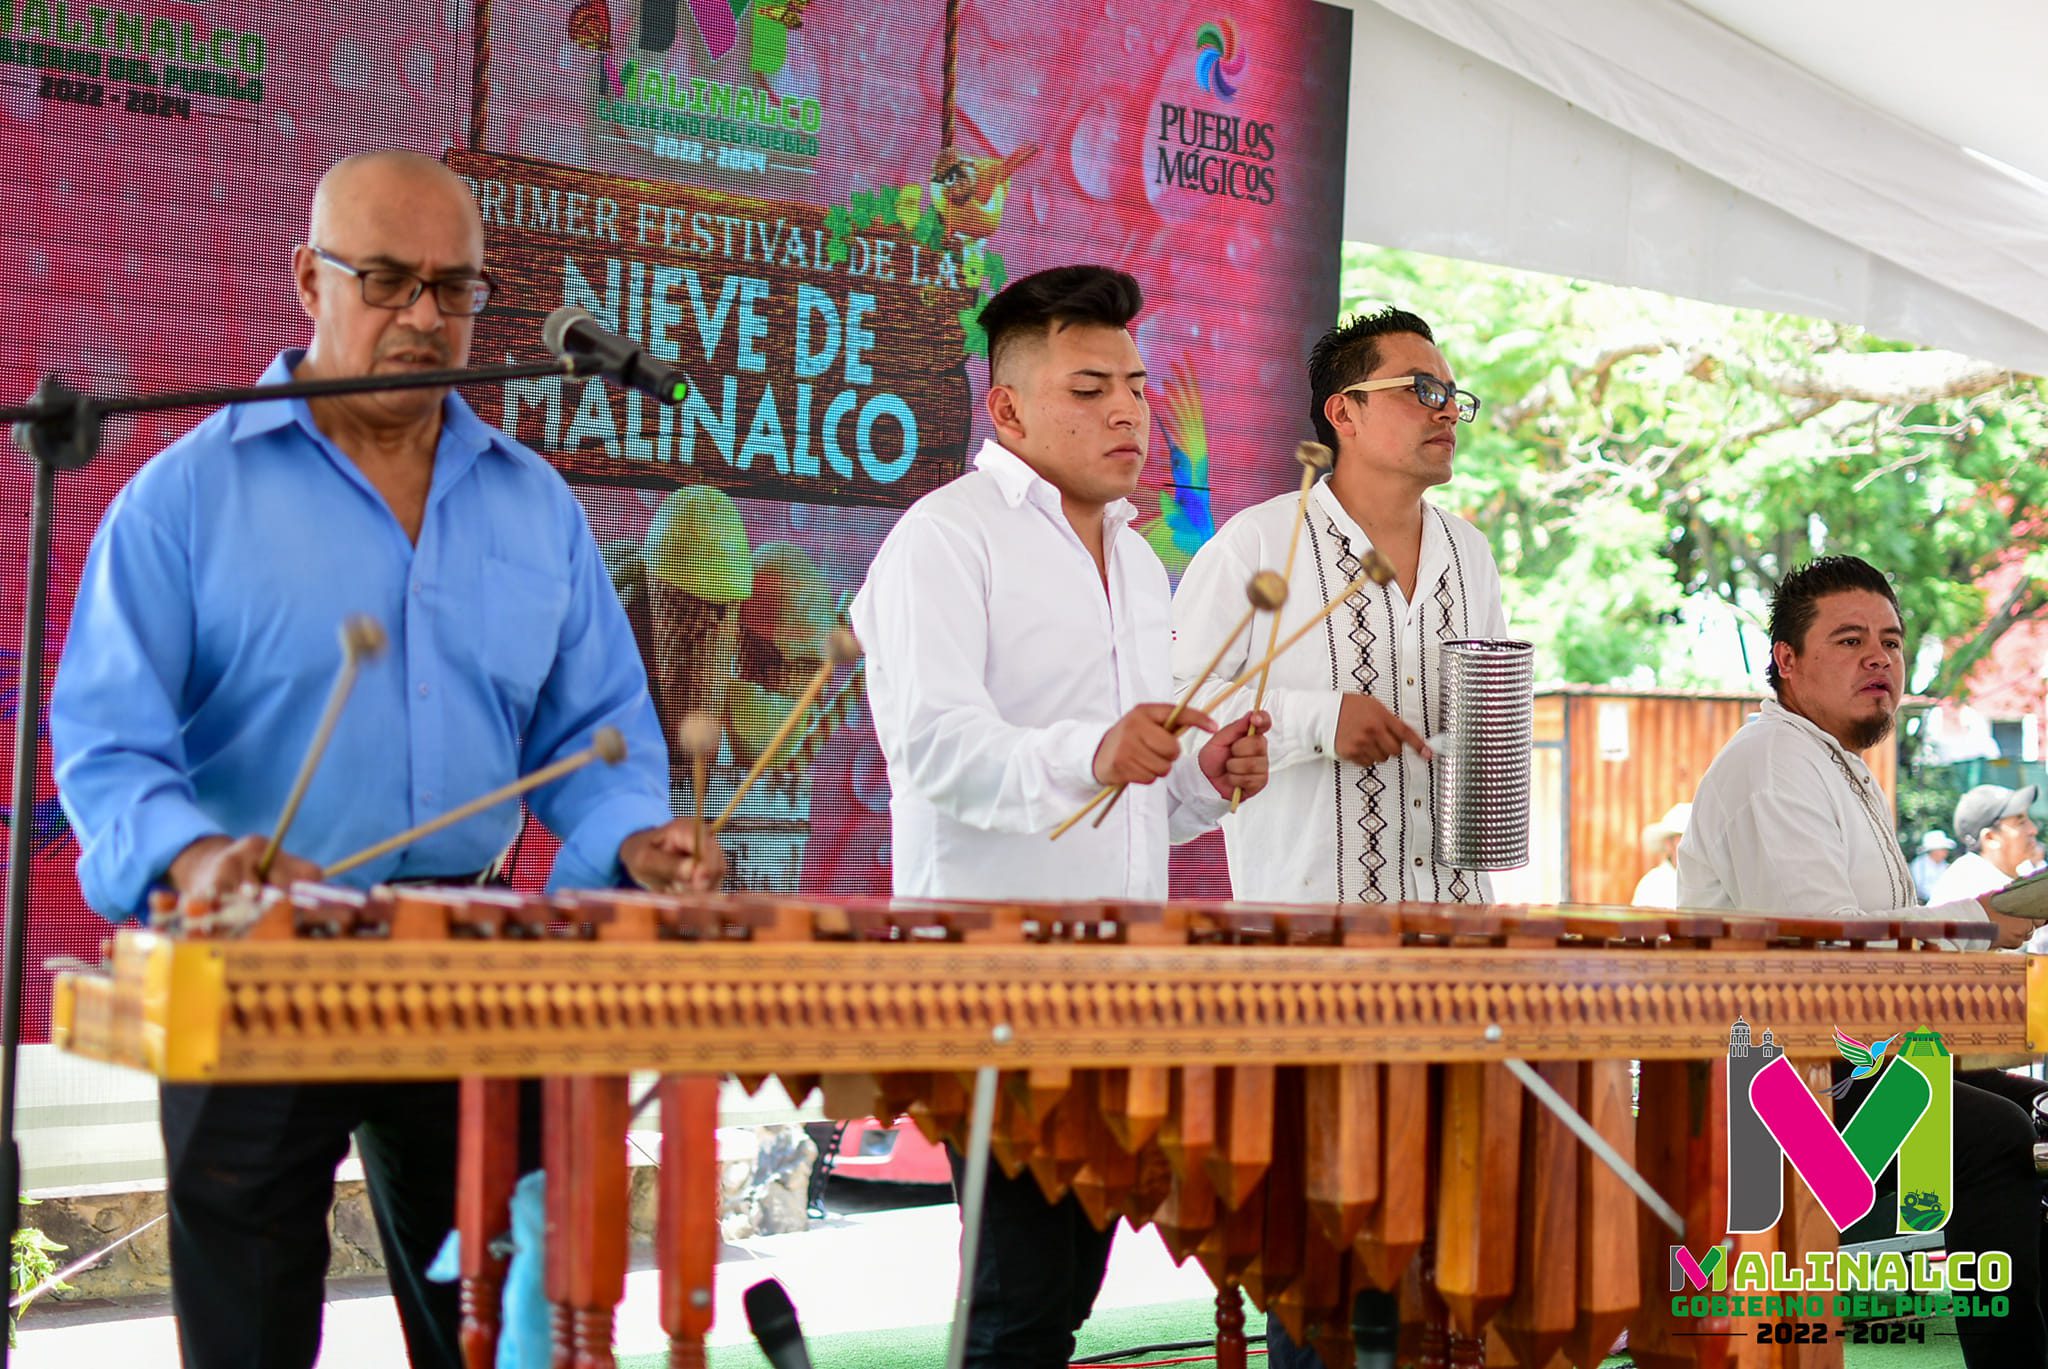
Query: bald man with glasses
pixel 200 651
pixel 387 284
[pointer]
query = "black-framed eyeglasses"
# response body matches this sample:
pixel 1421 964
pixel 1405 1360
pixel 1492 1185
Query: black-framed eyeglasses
pixel 387 287
pixel 1433 392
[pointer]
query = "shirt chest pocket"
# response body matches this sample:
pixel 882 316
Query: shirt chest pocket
pixel 519 626
pixel 1148 633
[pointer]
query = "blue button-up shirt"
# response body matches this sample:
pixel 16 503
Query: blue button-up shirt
pixel 205 640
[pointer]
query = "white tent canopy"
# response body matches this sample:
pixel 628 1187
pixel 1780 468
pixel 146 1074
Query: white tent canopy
pixel 1871 161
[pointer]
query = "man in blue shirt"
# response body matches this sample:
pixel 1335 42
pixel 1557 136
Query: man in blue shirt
pixel 201 649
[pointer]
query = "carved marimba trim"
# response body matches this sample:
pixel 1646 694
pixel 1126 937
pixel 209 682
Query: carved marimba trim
pixel 819 1006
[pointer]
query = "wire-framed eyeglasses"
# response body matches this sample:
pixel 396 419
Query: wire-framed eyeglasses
pixel 1435 393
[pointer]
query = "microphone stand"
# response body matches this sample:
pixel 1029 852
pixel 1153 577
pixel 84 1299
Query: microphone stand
pixel 60 428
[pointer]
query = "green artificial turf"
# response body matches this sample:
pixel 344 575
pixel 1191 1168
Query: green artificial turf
pixel 924 1347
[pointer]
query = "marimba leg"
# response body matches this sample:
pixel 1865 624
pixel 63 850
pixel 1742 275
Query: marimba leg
pixel 586 1207
pixel 487 1164
pixel 1230 1341
pixel 1434 1352
pixel 686 1221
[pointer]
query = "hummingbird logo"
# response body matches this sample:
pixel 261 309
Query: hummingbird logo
pixel 1868 1060
pixel 1218 59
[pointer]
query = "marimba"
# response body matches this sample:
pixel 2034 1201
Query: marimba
pixel 1307 1100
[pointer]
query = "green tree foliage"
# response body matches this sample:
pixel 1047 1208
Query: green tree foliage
pixel 1647 468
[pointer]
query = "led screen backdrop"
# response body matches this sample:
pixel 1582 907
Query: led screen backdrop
pixel 801 201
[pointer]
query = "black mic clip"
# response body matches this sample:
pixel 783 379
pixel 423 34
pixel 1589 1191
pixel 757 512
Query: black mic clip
pixel 580 340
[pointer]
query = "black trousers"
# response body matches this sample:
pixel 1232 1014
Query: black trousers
pixel 251 1179
pixel 1997 1207
pixel 1036 1273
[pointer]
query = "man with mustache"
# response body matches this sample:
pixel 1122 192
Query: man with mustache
pixel 1788 818
pixel 1350 812
pixel 1350 816
pixel 1999 841
pixel 200 652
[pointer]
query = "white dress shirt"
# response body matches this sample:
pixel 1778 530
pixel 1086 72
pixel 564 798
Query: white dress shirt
pixel 1787 820
pixel 996 660
pixel 1967 876
pixel 1658 888
pixel 1326 830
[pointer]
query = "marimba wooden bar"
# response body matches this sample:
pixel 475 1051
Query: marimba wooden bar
pixel 1307 1100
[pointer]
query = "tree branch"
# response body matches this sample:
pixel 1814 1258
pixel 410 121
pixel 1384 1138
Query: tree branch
pixel 2027 600
pixel 1823 379
pixel 1794 415
pixel 1907 378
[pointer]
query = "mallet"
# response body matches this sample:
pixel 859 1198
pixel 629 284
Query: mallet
pixel 605 745
pixel 1262 588
pixel 700 736
pixel 841 648
pixel 1377 571
pixel 1315 458
pixel 362 639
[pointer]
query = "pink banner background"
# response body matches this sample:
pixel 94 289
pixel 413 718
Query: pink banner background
pixel 142 252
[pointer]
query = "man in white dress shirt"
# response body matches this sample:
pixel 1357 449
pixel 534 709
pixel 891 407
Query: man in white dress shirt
pixel 1658 888
pixel 1789 819
pixel 2000 843
pixel 1351 812
pixel 1350 815
pixel 1999 840
pixel 1017 634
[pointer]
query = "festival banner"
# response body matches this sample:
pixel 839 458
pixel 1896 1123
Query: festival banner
pixel 872 404
pixel 801 203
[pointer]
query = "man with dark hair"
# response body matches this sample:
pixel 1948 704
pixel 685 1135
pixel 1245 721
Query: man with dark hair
pixel 1351 813
pixel 1788 818
pixel 1349 353
pixel 2000 842
pixel 1017 635
pixel 1797 604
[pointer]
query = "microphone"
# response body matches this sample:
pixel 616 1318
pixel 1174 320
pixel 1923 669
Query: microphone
pixel 572 332
pixel 775 1329
pixel 1375 1329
